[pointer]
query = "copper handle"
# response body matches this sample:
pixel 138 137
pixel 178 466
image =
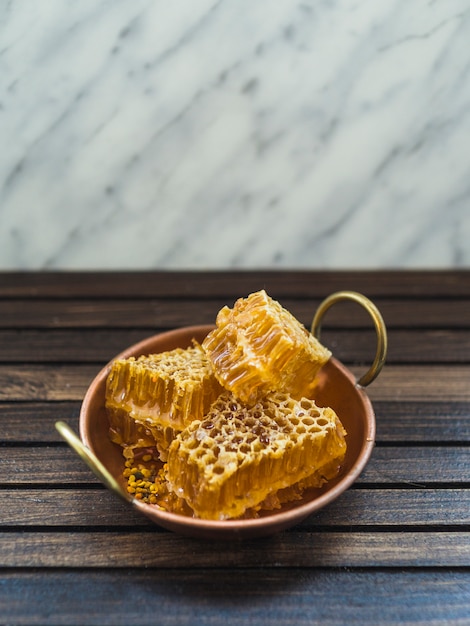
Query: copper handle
pixel 381 331
pixel 92 461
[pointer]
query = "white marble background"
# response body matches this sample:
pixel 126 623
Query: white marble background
pixel 234 133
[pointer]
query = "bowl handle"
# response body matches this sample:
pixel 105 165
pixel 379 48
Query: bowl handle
pixel 381 331
pixel 92 461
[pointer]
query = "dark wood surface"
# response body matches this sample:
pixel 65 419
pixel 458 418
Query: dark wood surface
pixel 393 549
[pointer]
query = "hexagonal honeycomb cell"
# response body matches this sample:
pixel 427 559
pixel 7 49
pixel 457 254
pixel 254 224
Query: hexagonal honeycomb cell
pixel 233 459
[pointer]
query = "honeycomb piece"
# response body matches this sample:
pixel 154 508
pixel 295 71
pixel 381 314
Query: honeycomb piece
pixel 259 347
pixel 150 397
pixel 234 458
pixel 295 492
pixel 128 431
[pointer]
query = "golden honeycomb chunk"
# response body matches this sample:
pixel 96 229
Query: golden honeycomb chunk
pixel 259 347
pixel 234 458
pixel 150 398
pixel 133 432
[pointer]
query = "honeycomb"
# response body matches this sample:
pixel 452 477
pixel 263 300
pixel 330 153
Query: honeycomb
pixel 259 347
pixel 238 456
pixel 150 398
pixel 135 433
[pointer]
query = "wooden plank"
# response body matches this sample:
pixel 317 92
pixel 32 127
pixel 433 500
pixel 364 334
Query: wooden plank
pixel 23 508
pixel 418 422
pixel 396 507
pixel 349 346
pixel 161 314
pixel 288 549
pixel 44 465
pixel 404 347
pixel 359 507
pixel 396 383
pixel 51 382
pixel 33 422
pixel 407 466
pixel 422 422
pixel 66 346
pixel 285 597
pixel 416 466
pixel 411 283
pixel 437 383
pixel 131 313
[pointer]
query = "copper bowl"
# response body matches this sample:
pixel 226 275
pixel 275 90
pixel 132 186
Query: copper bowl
pixel 337 388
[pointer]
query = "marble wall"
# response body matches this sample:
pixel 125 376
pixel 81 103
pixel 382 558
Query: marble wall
pixel 234 133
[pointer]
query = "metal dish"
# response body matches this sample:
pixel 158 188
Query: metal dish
pixel 337 388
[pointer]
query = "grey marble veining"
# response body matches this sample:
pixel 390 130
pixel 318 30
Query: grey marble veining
pixel 233 133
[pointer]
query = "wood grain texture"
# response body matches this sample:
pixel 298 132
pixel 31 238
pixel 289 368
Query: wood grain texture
pixel 285 597
pixel 163 314
pixel 198 285
pixel 113 549
pixel 394 548
pixel 404 507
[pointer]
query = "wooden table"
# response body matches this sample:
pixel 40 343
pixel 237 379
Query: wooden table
pixel 394 548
